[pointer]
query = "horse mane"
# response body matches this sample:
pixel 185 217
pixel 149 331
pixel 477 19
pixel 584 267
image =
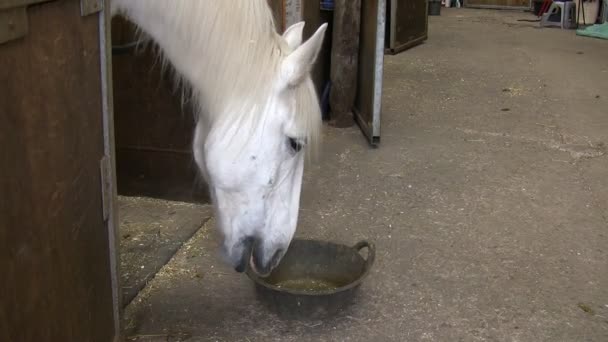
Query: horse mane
pixel 227 55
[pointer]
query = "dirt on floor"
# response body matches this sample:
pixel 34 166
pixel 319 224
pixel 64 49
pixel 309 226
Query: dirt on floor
pixel 151 232
pixel 487 200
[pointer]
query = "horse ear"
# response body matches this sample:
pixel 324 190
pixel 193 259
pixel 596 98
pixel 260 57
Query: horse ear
pixel 298 64
pixel 293 35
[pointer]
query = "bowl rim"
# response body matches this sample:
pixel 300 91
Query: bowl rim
pixel 368 263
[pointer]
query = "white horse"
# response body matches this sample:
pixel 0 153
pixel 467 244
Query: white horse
pixel 258 112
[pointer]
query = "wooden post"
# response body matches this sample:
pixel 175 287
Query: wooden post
pixel 344 61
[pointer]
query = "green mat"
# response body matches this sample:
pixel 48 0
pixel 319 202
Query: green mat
pixel 597 31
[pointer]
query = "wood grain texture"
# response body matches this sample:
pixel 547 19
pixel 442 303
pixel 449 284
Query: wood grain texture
pixel 54 250
pixel 344 61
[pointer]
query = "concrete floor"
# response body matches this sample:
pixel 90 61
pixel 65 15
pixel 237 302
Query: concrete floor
pixel 487 200
pixel 151 232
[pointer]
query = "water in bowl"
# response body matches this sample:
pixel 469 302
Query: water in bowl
pixel 307 284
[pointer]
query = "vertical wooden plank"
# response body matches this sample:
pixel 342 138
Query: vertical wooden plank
pixel 314 17
pixel 54 251
pixel 371 61
pixel 344 61
pixel 112 223
pixel 278 11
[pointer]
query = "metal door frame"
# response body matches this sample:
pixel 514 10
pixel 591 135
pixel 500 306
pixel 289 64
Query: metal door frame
pixel 372 129
pixel 105 47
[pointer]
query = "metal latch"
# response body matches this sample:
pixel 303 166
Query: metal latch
pixel 13 16
pixel 106 186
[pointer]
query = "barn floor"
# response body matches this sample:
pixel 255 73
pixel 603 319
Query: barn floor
pixel 487 200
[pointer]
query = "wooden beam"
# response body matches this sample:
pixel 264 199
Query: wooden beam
pixel 344 61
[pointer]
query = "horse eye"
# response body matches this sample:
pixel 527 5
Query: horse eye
pixel 295 144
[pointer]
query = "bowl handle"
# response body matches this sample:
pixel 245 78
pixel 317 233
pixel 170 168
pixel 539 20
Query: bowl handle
pixel 371 252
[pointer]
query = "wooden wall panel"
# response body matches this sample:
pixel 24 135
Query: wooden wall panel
pixel 154 130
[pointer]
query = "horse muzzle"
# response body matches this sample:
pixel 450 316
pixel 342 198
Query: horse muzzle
pixel 256 257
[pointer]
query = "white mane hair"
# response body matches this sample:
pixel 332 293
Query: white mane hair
pixel 228 54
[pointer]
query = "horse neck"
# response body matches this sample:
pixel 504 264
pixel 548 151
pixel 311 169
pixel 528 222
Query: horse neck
pixel 226 51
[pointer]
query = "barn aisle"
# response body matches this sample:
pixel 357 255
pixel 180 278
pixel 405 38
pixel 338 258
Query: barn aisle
pixel 487 201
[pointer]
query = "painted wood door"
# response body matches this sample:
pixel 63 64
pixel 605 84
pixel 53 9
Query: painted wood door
pixel 57 256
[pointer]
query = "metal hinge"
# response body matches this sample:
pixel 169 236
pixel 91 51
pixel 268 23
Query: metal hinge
pixel 13 16
pixel 106 186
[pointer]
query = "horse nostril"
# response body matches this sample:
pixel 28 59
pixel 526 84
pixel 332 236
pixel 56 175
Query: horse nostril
pixel 247 248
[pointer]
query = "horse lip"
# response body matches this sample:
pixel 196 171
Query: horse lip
pixel 273 263
pixel 255 269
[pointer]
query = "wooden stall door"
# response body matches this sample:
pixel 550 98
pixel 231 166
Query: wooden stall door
pixel 406 24
pixel 55 254
pixel 371 61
